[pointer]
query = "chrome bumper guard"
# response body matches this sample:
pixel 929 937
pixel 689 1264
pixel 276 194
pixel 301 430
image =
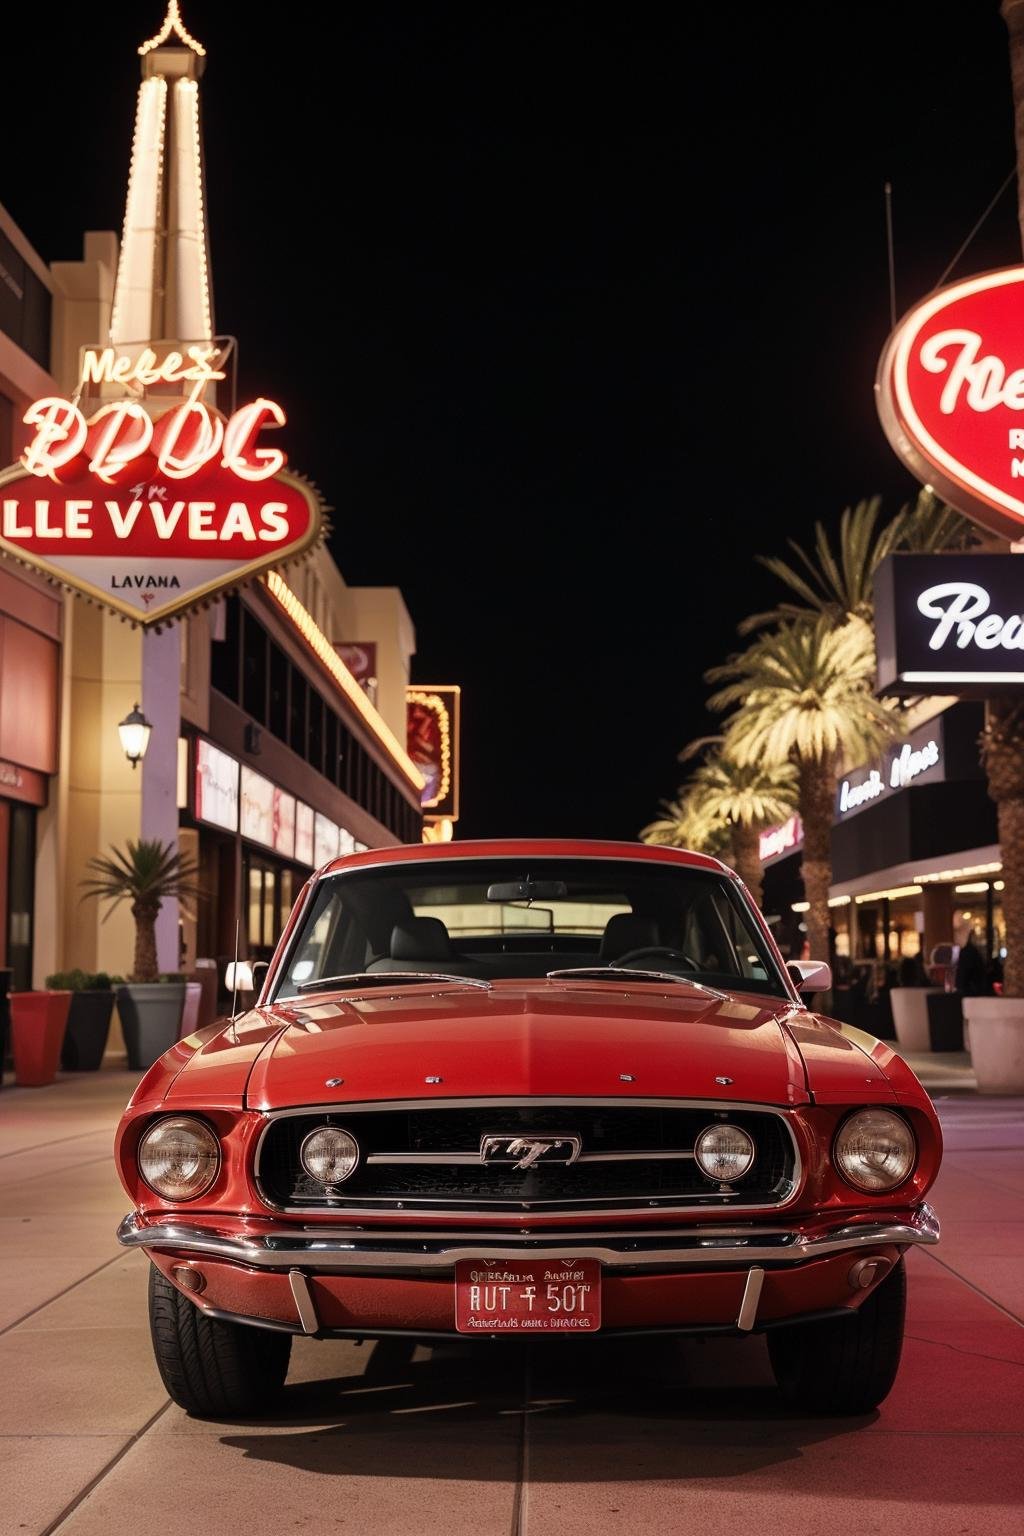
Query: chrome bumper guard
pixel 417 1253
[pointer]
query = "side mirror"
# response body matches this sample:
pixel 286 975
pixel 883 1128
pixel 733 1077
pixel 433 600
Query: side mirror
pixel 245 975
pixel 810 975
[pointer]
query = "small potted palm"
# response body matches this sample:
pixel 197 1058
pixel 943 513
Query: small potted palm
pixel 92 1004
pixel 146 874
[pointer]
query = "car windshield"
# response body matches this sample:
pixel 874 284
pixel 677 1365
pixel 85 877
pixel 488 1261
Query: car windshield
pixel 491 919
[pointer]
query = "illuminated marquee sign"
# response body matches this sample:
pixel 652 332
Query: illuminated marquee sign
pixel 150 505
pixel 432 741
pixel 776 842
pixel 950 624
pixel 950 394
pixel 216 786
pixel 916 760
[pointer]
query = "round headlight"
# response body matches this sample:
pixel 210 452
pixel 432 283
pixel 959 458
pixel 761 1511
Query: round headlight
pixel 874 1150
pixel 724 1153
pixel 329 1155
pixel 179 1157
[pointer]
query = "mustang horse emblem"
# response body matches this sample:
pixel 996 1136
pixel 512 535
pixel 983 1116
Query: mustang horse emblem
pixel 526 1151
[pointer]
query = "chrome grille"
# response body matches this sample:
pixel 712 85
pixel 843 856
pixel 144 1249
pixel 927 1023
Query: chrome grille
pixel 428 1158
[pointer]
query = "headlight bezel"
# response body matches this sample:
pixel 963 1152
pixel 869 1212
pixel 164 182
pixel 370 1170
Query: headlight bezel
pixel 736 1130
pixel 868 1188
pixel 337 1130
pixel 164 1123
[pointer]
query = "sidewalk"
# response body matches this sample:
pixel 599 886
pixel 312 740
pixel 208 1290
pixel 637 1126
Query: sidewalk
pixel 940 1071
pixel 394 1439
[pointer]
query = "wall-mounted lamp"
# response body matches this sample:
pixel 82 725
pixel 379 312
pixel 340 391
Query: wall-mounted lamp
pixel 251 740
pixel 134 731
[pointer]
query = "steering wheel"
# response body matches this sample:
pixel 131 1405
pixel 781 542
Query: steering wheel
pixel 651 951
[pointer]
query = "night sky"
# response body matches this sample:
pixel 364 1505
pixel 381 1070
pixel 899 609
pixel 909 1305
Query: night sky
pixel 574 309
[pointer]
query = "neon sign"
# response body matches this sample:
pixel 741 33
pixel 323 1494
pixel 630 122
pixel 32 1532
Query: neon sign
pixel 950 395
pixel 152 507
pixel 950 623
pixel 775 841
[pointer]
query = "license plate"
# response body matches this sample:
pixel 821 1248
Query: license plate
pixel 541 1296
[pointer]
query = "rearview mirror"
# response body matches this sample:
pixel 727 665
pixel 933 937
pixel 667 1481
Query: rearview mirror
pixel 527 890
pixel 810 975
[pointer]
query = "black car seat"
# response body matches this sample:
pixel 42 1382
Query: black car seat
pixel 627 931
pixel 420 944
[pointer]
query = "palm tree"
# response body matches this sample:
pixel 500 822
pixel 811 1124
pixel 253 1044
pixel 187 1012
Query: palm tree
pixel 929 524
pixel 839 583
pixel 829 583
pixel 804 696
pixel 746 797
pixel 687 824
pixel 147 874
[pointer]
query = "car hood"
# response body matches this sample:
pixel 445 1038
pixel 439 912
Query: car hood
pixel 544 1038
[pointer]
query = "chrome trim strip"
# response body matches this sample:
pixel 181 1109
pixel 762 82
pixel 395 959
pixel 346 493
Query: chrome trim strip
pixel 467 1159
pixel 711 1200
pixel 523 1101
pixel 751 1297
pixel 304 1303
pixel 350 1252
pixel 449 1336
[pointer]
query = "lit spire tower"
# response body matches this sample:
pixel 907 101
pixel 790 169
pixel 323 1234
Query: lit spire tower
pixel 163 289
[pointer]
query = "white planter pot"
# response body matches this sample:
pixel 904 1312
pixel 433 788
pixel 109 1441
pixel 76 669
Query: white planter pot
pixel 910 1016
pixel 997 1042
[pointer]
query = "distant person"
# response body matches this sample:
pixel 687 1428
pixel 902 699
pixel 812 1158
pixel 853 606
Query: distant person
pixel 912 972
pixel 994 976
pixel 971 980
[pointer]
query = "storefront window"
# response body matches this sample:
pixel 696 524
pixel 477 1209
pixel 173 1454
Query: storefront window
pixel 254 669
pixel 21 895
pixel 278 714
pixel 297 714
pixel 271 889
pixel 224 654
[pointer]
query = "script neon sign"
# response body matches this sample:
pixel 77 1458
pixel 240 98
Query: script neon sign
pixel 950 393
pixel 181 442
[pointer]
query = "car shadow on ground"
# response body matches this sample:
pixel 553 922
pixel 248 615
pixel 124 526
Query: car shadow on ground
pixel 652 1409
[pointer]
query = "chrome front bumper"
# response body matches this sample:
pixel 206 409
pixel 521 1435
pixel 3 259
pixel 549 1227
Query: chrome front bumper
pixel 418 1253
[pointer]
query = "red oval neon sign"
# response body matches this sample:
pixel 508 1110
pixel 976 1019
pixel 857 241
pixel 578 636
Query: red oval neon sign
pixel 950 395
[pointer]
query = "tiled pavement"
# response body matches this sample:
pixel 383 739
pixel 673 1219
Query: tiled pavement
pixel 587 1437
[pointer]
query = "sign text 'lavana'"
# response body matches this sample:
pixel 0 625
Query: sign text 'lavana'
pixel 182 441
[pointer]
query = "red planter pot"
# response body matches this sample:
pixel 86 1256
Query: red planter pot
pixel 38 1021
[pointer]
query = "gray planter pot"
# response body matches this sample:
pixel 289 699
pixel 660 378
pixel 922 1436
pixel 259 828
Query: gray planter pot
pixel 85 1038
pixel 150 1013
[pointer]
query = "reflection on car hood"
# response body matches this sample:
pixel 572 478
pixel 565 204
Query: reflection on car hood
pixel 546 1038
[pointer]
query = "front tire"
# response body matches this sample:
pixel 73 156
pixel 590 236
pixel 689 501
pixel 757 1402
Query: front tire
pixel 844 1365
pixel 210 1368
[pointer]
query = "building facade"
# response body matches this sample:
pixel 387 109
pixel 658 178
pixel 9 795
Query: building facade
pixel 915 852
pixel 266 757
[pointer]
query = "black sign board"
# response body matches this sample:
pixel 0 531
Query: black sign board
pixel 950 624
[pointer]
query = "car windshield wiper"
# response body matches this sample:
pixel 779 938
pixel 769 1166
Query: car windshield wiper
pixel 600 972
pixel 388 979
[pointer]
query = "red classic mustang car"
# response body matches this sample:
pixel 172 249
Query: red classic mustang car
pixel 532 1088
